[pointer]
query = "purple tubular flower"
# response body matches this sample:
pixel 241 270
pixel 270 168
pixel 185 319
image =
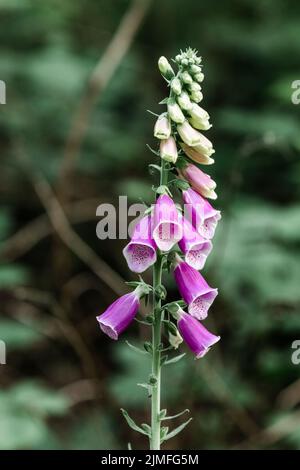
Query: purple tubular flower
pixel 201 213
pixel 201 182
pixel 167 227
pixel 196 336
pixel 120 314
pixel 140 252
pixel 194 289
pixel 194 246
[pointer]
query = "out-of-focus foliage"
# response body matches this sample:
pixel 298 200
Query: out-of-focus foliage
pixel 64 382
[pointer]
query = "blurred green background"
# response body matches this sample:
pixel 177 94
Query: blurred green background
pixel 64 381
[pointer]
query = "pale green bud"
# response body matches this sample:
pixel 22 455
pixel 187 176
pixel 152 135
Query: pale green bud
pixel 196 112
pixel 186 78
pixel 176 86
pixel 194 86
pixel 199 77
pixel 188 134
pixel 196 96
pixel 165 68
pixel 184 101
pixel 162 128
pixel 195 69
pixel 200 124
pixel 168 150
pixel 175 112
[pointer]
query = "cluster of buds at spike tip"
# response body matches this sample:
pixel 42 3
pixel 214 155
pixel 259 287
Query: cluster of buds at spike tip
pixel 166 229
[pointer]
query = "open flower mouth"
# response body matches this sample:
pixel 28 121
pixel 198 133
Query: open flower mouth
pixel 108 330
pixel 139 256
pixel 197 254
pixel 205 350
pixel 198 308
pixel 208 228
pixel 167 234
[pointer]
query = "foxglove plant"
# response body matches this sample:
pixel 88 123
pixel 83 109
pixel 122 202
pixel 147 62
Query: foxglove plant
pixel 165 231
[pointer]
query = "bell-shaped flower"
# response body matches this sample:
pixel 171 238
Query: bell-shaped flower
pixel 168 150
pixel 193 154
pixel 140 252
pixel 194 289
pixel 194 246
pixel 201 213
pixel 120 313
pixel 198 339
pixel 167 226
pixel 200 181
pixel 188 134
pixel 162 128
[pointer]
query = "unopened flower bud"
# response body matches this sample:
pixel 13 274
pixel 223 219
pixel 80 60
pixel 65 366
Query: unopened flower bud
pixel 194 86
pixel 175 112
pixel 176 86
pixel 162 128
pixel 186 78
pixel 175 340
pixel 197 112
pixel 196 96
pixel 199 77
pixel 184 101
pixel 165 68
pixel 201 125
pixel 199 117
pixel 188 134
pixel 168 150
pixel 196 69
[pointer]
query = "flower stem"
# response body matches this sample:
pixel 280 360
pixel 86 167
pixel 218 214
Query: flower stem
pixel 156 340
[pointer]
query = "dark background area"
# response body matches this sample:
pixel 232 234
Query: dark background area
pixel 64 381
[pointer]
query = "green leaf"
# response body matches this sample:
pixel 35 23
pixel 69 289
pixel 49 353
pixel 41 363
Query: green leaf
pixel 165 418
pixel 176 430
pixel 175 359
pixel 131 423
pixel 135 348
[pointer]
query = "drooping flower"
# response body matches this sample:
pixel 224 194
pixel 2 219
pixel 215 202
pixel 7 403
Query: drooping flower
pixel 168 150
pixel 194 289
pixel 196 336
pixel 162 128
pixel 201 213
pixel 193 154
pixel 140 252
pixel 194 246
pixel 200 181
pixel 188 134
pixel 120 314
pixel 167 227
